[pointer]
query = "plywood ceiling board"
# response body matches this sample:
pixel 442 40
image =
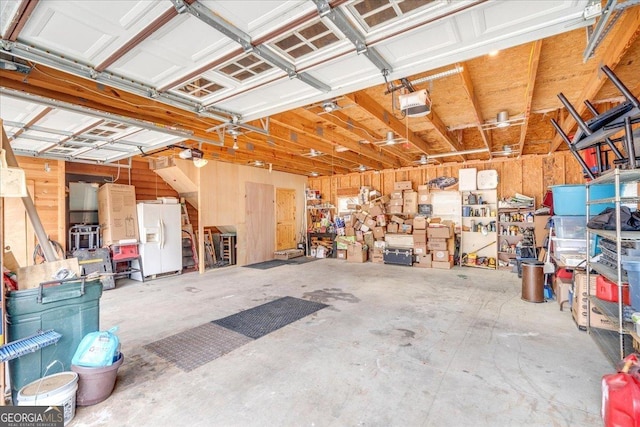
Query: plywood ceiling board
pixel 627 71
pixel 561 70
pixel 88 31
pixel 500 81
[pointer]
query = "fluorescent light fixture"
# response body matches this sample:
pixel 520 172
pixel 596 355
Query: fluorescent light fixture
pixel 314 174
pixel 502 120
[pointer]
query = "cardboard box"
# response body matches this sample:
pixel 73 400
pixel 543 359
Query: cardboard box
pixel 376 210
pixel 580 305
pixel 419 248
pixel 361 216
pixel 561 289
pixel 395 195
pixel 410 209
pixel 378 232
pixel 423 261
pixel 349 231
pixel 353 207
pixel 402 185
pixel 406 228
pixel 420 237
pixel 377 256
pixel 341 254
pixel 381 220
pixel 445 265
pixel 343 242
pixel 440 255
pixel 438 245
pixel 424 198
pixel 397 220
pixel 392 227
pixel 359 236
pixel 117 213
pixel 420 223
pixel 396 202
pixel 357 253
pixel 370 222
pixel 394 209
pixel 409 221
pixel 410 196
pixel 368 239
pixel 364 228
pixel 423 188
pixel 439 232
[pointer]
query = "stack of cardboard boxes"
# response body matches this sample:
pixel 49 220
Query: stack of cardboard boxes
pixel 395 221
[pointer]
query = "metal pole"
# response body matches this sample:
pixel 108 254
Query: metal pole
pixel 47 250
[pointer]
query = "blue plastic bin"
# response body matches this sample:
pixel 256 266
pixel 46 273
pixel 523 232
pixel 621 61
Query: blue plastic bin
pixel 633 273
pixel 572 199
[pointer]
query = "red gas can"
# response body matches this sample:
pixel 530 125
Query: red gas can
pixel 621 397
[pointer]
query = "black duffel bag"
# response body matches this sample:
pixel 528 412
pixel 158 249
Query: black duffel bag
pixel 606 220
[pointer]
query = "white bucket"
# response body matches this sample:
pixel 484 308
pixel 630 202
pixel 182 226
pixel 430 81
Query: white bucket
pixel 53 390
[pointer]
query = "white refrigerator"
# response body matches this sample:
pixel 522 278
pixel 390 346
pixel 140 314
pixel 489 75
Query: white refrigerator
pixel 160 239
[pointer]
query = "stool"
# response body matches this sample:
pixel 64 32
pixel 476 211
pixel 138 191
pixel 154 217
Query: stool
pixel 228 247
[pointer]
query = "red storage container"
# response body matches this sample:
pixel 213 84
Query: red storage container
pixel 621 398
pixel 124 251
pixel 608 291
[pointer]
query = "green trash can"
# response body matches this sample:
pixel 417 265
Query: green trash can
pixel 71 308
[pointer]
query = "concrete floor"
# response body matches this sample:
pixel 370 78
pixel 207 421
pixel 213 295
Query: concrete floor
pixel 398 346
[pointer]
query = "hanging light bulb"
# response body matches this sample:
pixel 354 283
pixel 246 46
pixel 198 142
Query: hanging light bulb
pixel 423 160
pixel 362 168
pixel 235 143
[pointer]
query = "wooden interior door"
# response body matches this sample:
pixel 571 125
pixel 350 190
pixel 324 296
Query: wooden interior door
pixel 285 219
pixel 260 222
pixel 19 235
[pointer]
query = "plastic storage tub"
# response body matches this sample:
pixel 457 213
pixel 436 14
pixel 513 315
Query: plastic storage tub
pixel 71 309
pixel 570 227
pixel 561 246
pixel 572 199
pixel 633 274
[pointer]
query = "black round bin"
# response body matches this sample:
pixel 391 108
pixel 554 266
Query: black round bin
pixel 533 281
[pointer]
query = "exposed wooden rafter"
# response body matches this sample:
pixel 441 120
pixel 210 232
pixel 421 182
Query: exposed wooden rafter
pixel 21 17
pixel 534 60
pixel 467 84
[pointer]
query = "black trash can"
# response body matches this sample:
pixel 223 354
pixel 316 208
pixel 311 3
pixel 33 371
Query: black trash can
pixel 533 281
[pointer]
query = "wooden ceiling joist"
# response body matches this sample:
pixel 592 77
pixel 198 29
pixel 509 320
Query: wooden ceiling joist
pixel 622 36
pixel 467 84
pixel 378 111
pixel 534 60
pixel 25 9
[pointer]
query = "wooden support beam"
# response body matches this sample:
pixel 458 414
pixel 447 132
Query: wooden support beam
pixel 623 35
pixel 372 157
pixel 343 121
pixel 367 103
pixel 467 84
pixel 534 60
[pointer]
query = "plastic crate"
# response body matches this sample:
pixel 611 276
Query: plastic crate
pixel 572 199
pixel 561 246
pixel 570 227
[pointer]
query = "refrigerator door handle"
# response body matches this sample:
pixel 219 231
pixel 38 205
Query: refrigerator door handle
pixel 161 234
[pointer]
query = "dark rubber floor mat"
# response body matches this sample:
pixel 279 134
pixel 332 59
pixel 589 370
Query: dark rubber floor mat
pixel 265 265
pixel 263 319
pixel 193 348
